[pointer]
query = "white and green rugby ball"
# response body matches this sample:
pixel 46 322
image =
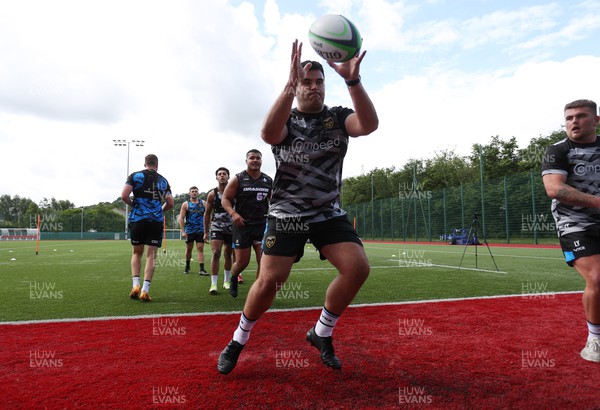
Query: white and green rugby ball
pixel 335 38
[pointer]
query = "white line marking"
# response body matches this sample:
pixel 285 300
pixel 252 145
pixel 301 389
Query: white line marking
pixel 433 265
pixel 407 302
pixel 475 269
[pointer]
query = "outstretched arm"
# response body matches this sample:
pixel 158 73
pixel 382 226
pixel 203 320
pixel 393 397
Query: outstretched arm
pixel 364 120
pixel 274 129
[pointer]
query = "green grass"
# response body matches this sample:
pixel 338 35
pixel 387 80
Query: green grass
pixel 77 279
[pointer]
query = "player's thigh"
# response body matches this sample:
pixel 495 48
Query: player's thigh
pixel 151 252
pixel 582 251
pixel 138 249
pixel 347 257
pixel 227 249
pixel 257 249
pixel 216 245
pixel 589 268
pixel 275 269
pixel 242 255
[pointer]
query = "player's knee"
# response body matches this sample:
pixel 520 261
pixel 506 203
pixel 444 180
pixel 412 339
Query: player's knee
pixel 360 270
pixel 593 280
pixel 266 287
pixel 363 272
pixel 241 264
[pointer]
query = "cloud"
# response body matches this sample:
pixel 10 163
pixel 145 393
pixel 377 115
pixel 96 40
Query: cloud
pixel 504 27
pixel 575 30
pixel 195 80
pixel 454 110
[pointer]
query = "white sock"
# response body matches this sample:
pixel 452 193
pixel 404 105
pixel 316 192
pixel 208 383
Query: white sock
pixel 227 275
pixel 242 333
pixel 146 286
pixel 325 324
pixel 593 331
pixel 136 281
pixel 214 279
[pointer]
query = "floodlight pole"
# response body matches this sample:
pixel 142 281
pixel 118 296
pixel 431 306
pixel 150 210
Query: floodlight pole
pixel 122 143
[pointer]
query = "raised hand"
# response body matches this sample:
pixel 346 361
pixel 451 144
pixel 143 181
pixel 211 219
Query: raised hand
pixel 350 70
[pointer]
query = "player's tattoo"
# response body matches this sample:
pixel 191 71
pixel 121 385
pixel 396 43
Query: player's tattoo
pixel 575 197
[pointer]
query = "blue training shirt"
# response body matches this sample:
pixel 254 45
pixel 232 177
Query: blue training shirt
pixel 150 190
pixel 194 217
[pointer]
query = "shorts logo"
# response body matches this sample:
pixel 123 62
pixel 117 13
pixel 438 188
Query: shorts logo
pixel 270 241
pixel 578 248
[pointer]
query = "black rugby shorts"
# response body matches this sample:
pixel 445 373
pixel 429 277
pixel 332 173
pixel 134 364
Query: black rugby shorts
pixel 196 236
pixel 579 244
pixel 287 237
pixel 245 236
pixel 146 232
pixel 221 236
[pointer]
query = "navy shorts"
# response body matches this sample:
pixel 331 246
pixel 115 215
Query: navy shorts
pixel 579 244
pixel 146 232
pixel 287 236
pixel 196 236
pixel 221 236
pixel 245 236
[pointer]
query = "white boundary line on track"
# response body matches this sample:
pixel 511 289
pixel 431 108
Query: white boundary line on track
pixel 408 302
pixel 474 269
pixel 433 265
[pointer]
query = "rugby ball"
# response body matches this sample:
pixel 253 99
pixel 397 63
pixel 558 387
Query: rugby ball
pixel 334 38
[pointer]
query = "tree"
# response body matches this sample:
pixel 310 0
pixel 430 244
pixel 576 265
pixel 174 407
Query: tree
pixel 13 211
pixel 532 156
pixel 447 169
pixel 499 157
pixel 56 205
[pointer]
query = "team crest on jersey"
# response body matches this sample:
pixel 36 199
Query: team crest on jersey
pixel 270 241
pixel 328 122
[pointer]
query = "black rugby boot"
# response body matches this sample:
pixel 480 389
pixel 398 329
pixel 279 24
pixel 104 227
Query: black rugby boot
pixel 233 286
pixel 325 346
pixel 229 357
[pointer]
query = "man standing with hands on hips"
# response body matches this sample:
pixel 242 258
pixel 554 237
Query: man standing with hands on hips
pixel 309 143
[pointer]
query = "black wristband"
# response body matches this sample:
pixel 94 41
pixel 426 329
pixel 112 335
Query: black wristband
pixel 350 83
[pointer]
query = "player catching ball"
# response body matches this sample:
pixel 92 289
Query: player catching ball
pixel 309 143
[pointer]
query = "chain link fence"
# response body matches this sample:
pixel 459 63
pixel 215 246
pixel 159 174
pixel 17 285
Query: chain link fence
pixel 512 209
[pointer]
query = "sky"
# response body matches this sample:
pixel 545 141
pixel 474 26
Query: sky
pixel 194 80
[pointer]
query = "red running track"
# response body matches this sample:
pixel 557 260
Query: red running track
pixel 510 352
